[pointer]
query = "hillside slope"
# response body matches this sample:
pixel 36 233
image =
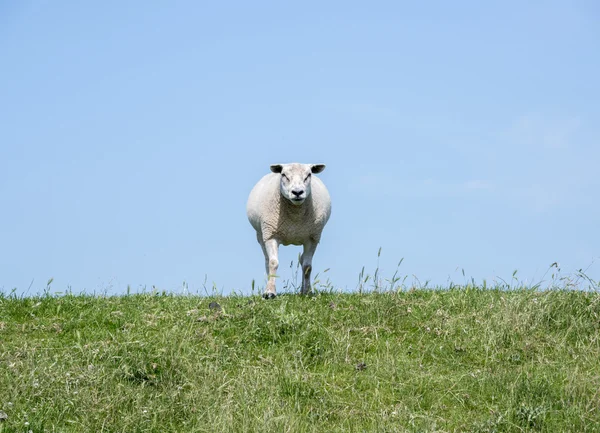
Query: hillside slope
pixel 444 360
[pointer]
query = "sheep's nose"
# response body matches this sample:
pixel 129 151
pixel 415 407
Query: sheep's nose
pixel 297 192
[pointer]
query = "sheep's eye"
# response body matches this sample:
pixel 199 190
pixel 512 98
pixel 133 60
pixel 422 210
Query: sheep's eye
pixel 307 177
pixel 284 176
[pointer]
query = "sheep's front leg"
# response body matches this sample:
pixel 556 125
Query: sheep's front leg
pixel 306 259
pixel 271 249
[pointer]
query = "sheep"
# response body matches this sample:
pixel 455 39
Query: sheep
pixel 289 206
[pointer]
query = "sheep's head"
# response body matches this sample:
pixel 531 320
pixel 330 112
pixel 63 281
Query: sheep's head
pixel 295 180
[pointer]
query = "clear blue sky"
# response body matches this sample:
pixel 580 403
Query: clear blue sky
pixel 457 135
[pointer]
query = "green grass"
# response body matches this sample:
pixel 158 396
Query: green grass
pixel 463 359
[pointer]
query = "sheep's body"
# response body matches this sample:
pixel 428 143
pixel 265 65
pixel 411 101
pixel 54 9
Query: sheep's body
pixel 289 206
pixel 273 216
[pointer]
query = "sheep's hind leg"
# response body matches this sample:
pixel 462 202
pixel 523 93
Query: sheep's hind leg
pixel 271 248
pixel 306 260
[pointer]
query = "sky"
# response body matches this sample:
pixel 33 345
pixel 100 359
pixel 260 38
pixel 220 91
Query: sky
pixel 458 136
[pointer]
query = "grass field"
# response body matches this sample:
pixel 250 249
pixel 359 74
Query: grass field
pixel 463 359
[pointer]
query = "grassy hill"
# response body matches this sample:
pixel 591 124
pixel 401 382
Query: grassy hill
pixel 463 359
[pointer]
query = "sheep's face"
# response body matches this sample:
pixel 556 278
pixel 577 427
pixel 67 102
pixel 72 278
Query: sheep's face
pixel 295 180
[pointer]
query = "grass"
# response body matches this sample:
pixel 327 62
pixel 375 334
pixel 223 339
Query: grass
pixel 466 359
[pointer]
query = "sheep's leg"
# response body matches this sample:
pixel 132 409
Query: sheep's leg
pixel 271 248
pixel 306 259
pixel 264 250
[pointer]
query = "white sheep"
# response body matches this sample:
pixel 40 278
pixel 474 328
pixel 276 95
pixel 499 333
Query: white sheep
pixel 289 206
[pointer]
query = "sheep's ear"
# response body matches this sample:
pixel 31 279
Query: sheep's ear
pixel 276 168
pixel 317 168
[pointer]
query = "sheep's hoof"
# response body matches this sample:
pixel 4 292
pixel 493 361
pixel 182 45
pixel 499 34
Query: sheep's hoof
pixel 269 295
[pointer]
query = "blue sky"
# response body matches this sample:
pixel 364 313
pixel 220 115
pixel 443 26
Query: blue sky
pixel 457 135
